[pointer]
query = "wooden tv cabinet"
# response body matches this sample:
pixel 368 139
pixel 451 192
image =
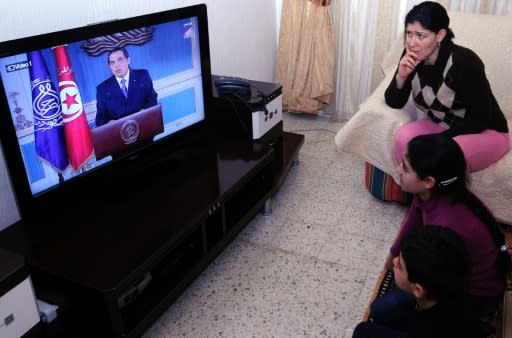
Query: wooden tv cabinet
pixel 113 270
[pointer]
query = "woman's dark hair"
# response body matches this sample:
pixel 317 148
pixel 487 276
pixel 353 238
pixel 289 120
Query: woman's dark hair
pixel 432 16
pixel 437 259
pixel 440 157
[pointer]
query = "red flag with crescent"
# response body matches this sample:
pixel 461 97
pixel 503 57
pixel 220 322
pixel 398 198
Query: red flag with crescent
pixel 76 130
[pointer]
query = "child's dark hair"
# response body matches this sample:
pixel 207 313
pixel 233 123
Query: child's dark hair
pixel 437 259
pixel 440 157
pixel 432 16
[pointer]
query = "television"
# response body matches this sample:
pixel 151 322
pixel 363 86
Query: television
pixel 87 110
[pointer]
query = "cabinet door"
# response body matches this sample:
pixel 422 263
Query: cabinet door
pixel 18 310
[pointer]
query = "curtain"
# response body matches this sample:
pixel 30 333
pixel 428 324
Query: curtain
pixel 305 55
pixel 355 25
pixel 496 7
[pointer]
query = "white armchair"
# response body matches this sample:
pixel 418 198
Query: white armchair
pixel 369 133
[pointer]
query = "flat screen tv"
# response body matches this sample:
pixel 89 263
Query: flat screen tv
pixel 82 107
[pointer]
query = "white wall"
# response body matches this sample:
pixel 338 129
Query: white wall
pixel 242 40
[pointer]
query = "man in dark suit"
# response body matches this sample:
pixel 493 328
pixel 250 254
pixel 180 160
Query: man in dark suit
pixel 126 92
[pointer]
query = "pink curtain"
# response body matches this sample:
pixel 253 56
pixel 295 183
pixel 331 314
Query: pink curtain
pixel 305 55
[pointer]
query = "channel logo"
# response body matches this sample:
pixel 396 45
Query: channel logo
pixel 13 67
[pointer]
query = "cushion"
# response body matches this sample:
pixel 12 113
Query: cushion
pixel 383 187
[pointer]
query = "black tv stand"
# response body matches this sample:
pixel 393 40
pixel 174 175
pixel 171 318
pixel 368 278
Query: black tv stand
pixel 112 273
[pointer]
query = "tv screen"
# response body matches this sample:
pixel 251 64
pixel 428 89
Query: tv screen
pixel 79 101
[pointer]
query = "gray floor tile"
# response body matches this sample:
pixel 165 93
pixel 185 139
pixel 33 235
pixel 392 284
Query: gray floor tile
pixel 309 268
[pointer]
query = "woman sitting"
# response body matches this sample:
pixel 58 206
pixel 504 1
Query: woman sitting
pixel 448 83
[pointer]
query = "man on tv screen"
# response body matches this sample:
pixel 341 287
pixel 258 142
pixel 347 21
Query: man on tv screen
pixel 126 92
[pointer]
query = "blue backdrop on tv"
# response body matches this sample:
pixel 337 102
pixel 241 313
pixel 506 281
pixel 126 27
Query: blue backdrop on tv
pixel 92 70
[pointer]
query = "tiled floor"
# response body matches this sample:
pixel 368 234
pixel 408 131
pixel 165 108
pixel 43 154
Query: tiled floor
pixel 308 269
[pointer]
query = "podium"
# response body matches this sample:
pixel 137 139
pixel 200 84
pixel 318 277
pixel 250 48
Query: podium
pixel 127 132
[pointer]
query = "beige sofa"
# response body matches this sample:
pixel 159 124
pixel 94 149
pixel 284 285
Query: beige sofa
pixel 369 133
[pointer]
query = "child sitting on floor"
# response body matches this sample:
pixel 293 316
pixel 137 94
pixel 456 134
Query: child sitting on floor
pixel 435 171
pixel 434 267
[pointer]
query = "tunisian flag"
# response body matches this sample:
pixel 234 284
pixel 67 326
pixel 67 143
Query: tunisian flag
pixel 76 129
